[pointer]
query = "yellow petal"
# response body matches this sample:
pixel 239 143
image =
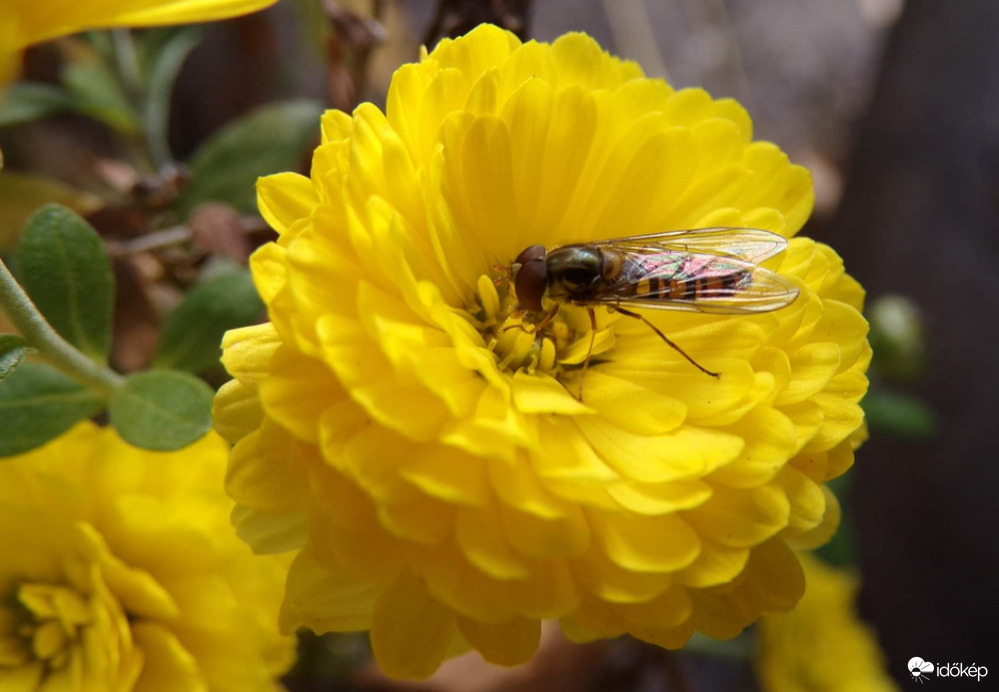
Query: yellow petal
pixel 411 633
pixel 688 452
pixel 247 352
pixel 325 600
pixel 741 518
pixel 284 199
pixel 167 665
pixel 507 644
pixel 39 22
pixel 663 543
pixel 236 411
pixel 660 498
pixel 255 477
pixel 480 535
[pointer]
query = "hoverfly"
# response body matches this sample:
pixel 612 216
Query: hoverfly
pixel 710 270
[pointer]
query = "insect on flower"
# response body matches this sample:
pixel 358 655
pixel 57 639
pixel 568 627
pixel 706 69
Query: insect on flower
pixel 709 270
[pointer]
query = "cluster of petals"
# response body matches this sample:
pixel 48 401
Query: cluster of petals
pixel 119 570
pixel 24 22
pixel 822 645
pixel 438 479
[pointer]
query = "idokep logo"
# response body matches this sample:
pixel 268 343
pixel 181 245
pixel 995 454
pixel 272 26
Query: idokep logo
pixel 919 669
pixel 922 670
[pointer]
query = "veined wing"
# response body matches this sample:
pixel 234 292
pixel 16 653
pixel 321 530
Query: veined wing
pixel 752 245
pixel 697 282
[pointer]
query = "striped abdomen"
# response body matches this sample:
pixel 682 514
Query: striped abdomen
pixel 688 280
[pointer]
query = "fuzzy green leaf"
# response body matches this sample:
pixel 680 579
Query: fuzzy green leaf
pixel 13 349
pixel 162 410
pixel 271 139
pixel 897 414
pixel 38 403
pixel 29 101
pixel 192 333
pixel 67 273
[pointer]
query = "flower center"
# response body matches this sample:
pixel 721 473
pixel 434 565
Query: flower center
pixel 47 620
pixel 522 340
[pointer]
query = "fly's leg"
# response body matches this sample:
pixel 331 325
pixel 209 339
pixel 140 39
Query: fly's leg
pixel 506 273
pixel 672 345
pixel 589 353
pixel 540 325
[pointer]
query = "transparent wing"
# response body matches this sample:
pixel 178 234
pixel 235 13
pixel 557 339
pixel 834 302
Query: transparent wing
pixel 753 245
pixel 697 282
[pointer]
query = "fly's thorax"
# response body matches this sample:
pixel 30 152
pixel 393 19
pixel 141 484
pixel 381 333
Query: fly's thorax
pixel 574 271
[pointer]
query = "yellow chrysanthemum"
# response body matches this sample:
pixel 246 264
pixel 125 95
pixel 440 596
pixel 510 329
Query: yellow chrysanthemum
pixel 822 646
pixel 23 22
pixel 443 486
pixel 119 571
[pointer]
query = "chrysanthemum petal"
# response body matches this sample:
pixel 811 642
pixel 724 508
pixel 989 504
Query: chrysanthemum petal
pixel 326 600
pixel 166 664
pixel 715 565
pixel 660 498
pixel 247 352
pixel 252 480
pixel 663 543
pixel 506 644
pixel 611 582
pixel 236 411
pixel 761 512
pixel 410 632
pixel 285 198
pixel 686 453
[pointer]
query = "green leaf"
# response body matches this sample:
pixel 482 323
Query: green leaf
pixel 162 74
pixel 98 95
pixel 13 349
pixel 899 415
pixel 67 273
pixel 192 333
pixel 162 410
pixel 29 101
pixel 841 549
pixel 269 140
pixel 38 403
pixel 21 195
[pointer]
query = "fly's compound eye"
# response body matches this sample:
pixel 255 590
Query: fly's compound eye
pixel 534 252
pixel 532 277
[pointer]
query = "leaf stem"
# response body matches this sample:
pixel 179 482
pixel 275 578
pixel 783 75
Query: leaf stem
pixel 27 319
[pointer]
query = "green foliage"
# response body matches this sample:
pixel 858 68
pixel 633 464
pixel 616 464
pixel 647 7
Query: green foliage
pixel 164 66
pixel 897 338
pixel 98 94
pixel 38 403
pixel 269 140
pixel 192 333
pixel 21 195
pixel 29 101
pixel 162 410
pixel 841 550
pixel 13 349
pixel 67 273
pixel 898 414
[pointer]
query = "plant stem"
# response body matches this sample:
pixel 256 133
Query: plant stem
pixel 27 319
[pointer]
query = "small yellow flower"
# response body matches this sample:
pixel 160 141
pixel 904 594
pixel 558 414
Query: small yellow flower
pixel 23 22
pixel 119 571
pixel 822 645
pixel 440 482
